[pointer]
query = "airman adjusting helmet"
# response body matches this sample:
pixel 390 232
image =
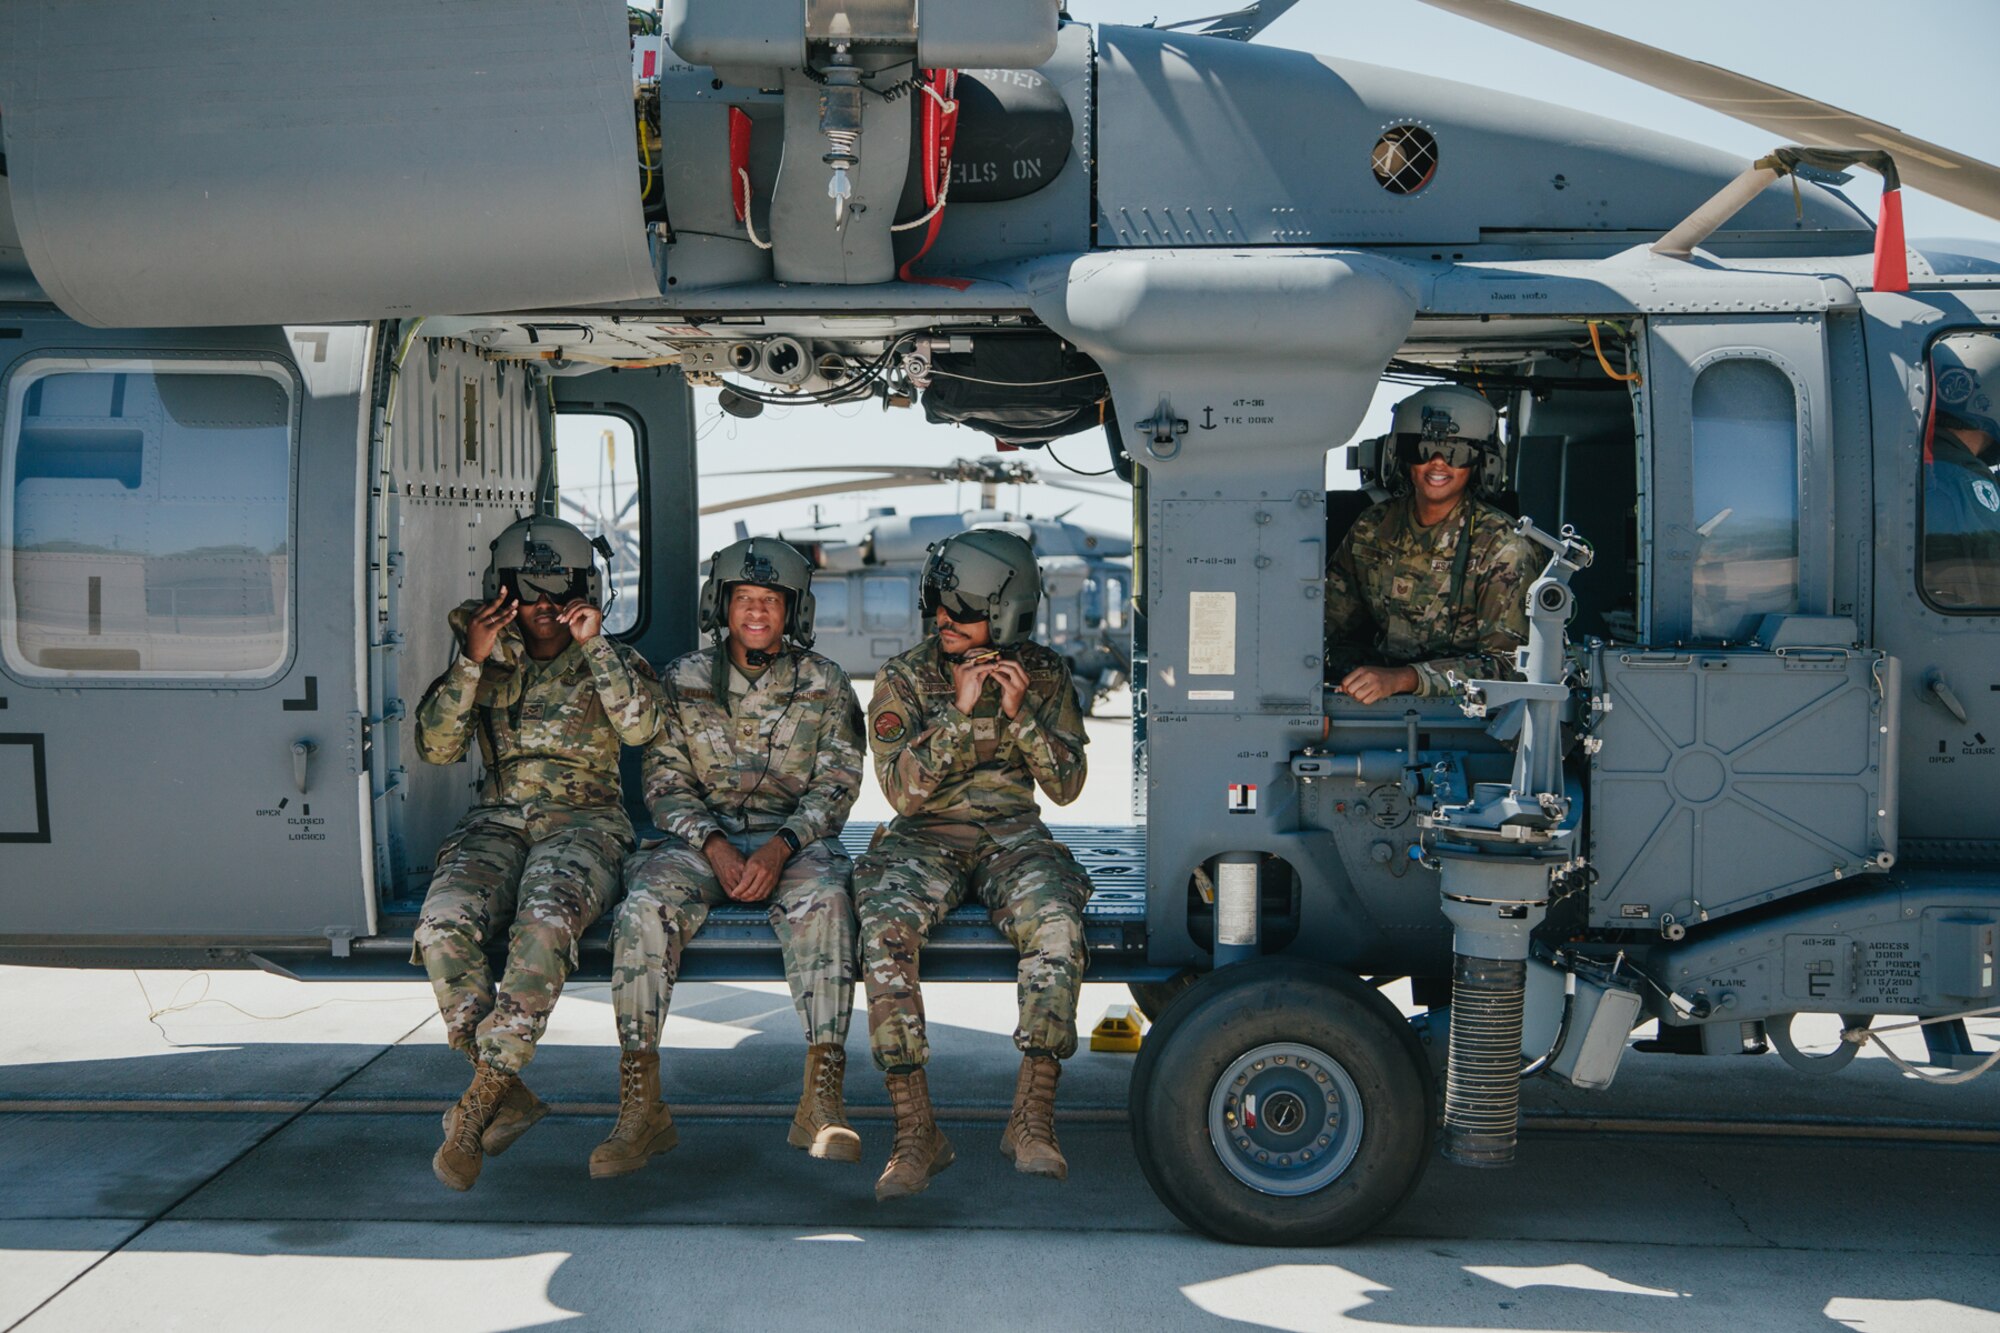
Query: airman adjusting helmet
pixel 540 557
pixel 764 562
pixel 1451 421
pixel 1965 367
pixel 984 574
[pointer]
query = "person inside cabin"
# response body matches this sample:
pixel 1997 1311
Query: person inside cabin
pixel 751 779
pixel 549 700
pixel 1427 589
pixel 1961 548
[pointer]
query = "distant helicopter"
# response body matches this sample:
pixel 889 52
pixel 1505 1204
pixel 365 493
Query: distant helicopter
pixel 869 568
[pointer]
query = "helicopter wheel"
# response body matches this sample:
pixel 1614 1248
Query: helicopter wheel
pixel 1281 1103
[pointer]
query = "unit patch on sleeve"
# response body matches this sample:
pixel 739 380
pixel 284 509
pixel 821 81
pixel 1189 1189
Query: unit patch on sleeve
pixel 889 727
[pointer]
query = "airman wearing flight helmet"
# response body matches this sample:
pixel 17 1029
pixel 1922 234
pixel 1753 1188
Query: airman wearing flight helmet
pixel 751 779
pixel 1428 586
pixel 963 728
pixel 549 699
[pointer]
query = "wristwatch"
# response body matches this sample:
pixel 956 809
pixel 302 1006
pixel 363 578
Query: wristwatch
pixel 791 839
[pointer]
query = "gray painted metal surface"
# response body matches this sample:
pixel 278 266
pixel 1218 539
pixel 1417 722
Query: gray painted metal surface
pixel 1727 779
pixel 1278 149
pixel 169 802
pixel 1922 943
pixel 383 158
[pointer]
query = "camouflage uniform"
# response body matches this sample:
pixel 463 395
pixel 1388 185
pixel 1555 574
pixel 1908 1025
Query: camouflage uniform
pixel 1398 594
pixel 541 849
pixel 787 754
pixel 968 825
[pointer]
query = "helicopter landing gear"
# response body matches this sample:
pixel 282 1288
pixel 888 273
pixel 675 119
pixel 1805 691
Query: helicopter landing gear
pixel 1281 1103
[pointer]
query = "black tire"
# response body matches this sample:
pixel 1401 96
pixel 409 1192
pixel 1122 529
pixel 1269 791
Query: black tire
pixel 1356 1039
pixel 1153 997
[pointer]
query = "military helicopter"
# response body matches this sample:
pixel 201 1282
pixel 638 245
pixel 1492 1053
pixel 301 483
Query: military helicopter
pixel 265 403
pixel 869 569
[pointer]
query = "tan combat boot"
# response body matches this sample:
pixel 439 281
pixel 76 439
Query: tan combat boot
pixel 921 1150
pixel 519 1110
pixel 459 1158
pixel 645 1125
pixel 820 1124
pixel 1030 1136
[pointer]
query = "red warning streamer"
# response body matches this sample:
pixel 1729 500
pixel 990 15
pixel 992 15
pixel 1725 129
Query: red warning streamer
pixel 937 131
pixel 739 160
pixel 1892 258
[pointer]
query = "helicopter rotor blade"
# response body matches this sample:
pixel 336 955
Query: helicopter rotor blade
pixel 1054 484
pixel 807 492
pixel 1932 168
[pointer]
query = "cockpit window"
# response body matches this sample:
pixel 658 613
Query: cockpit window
pixel 1960 565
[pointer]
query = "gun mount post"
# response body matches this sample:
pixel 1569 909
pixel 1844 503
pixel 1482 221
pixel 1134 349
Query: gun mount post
pixel 1495 855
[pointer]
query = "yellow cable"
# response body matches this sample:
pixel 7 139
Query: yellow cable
pixel 1597 346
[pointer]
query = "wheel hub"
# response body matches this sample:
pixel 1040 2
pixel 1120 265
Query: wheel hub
pixel 1285 1119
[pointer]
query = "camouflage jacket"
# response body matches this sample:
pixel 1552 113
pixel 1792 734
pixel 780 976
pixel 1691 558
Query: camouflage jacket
pixel 548 732
pixel 1391 599
pixel 939 766
pixel 788 756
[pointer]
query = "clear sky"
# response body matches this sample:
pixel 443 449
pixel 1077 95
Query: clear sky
pixel 1922 66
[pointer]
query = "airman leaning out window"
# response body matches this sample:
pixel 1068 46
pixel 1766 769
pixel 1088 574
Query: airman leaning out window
pixel 1429 584
pixel 963 728
pixel 550 699
pixel 751 779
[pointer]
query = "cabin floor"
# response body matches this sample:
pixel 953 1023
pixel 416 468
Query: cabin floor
pixel 736 942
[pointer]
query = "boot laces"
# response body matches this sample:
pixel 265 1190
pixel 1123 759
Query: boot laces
pixel 827 1087
pixel 480 1104
pixel 1034 1107
pixel 631 1100
pixel 911 1129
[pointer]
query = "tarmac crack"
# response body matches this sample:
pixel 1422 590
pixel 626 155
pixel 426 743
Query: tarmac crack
pixel 262 1139
pixel 1729 1202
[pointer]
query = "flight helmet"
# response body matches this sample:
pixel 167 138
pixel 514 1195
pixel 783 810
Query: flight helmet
pixel 985 573
pixel 1452 421
pixel 540 557
pixel 764 562
pixel 1965 367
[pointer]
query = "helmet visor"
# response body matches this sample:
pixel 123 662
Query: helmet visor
pixel 1456 453
pixel 960 611
pixel 559 584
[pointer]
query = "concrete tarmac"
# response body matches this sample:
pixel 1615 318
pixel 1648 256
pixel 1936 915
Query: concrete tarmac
pixel 255 1155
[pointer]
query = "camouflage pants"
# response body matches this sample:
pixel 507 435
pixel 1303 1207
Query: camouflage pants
pixel 1031 887
pixel 489 877
pixel 668 892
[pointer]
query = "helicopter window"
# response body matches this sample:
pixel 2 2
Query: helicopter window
pixel 147 519
pixel 1745 463
pixel 885 604
pixel 1961 491
pixel 830 603
pixel 597 476
pixel 1114 604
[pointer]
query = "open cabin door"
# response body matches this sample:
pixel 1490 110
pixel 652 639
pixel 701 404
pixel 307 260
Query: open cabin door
pixel 182 755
